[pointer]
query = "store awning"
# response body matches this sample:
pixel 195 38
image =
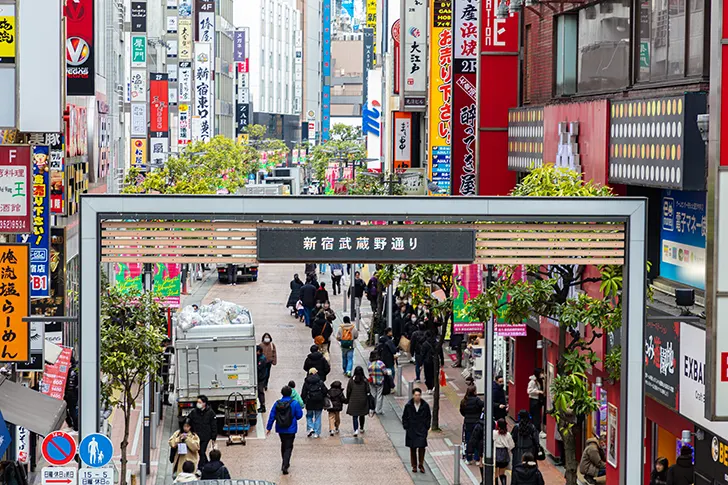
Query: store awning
pixel 30 409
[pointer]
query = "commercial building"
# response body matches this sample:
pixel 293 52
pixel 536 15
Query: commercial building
pixel 312 78
pixel 619 103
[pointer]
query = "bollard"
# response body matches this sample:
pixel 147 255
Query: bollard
pixel 456 465
pixel 153 430
pixel 400 383
pixel 142 474
pixel 408 388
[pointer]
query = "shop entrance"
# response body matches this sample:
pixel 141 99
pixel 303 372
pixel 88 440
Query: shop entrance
pixel 485 230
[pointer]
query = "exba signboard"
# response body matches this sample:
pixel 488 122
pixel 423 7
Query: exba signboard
pixel 365 245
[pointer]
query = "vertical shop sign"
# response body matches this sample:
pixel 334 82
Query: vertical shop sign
pixel 205 12
pixel 138 119
pixel 203 104
pixel 185 8
pixel 159 103
pixel 184 38
pixel 158 149
pixel 239 52
pixel 326 71
pixel 662 350
pixel 242 117
pixel 402 137
pixel 464 94
pixel 172 24
pixel 139 17
pixel 396 37
pixel 57 173
pixel 80 58
pixel 8 34
pixel 15 175
pixel 15 293
pixel 682 237
pixel 372 115
pixel 138 85
pixel 371 23
pixel 467 284
pixel 55 304
pixel 183 124
pixel 612 420
pixel 440 95
pixel 185 82
pixel 138 51
pixel 39 238
pixel 414 56
pixel 139 153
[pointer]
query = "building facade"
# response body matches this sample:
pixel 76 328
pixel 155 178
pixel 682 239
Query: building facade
pixel 613 89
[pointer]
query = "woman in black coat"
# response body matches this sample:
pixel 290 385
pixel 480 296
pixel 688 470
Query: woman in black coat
pixel 416 421
pixel 525 436
pixel 357 397
pixel 293 298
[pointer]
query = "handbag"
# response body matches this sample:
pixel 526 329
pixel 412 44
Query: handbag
pixel 541 455
pixel 502 455
pixel 319 339
pixel 405 344
pixel 371 401
pixel 327 403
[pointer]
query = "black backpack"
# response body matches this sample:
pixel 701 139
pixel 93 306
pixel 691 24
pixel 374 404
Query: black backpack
pixel 284 414
pixel 316 392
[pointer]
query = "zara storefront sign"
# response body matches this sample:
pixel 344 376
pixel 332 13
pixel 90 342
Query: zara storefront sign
pixel 365 245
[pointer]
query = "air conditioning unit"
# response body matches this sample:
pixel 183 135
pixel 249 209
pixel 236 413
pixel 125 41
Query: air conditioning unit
pixel 119 89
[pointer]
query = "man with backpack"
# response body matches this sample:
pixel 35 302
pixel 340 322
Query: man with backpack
pixel 314 395
pixel 346 335
pixel 285 413
pixel 387 350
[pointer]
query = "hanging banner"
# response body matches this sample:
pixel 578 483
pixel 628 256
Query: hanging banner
pixel 139 153
pixel 185 82
pixel 138 85
pixel 55 304
pixel 171 24
pixel 185 8
pixel 440 95
pixel 57 173
pixel 326 70
pixel 55 375
pixel 158 149
pixel 402 139
pixel 167 284
pixel 467 284
pixel 80 58
pixel 242 117
pixel 183 124
pixel 464 93
pixel 372 116
pixel 184 37
pixel 15 293
pixel 203 91
pixel 15 170
pixel 414 58
pixel 239 54
pixel 8 34
pixel 159 103
pixel 40 237
pixel 371 23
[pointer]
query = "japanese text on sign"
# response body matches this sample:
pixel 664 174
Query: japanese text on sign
pixel 14 303
pixel 203 93
pixel 59 476
pixel 467 121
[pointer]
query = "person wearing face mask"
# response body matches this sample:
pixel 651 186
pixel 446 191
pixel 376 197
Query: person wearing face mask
pixel 500 405
pixel 204 423
pixel 271 356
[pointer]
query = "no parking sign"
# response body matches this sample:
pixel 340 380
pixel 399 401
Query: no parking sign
pixel 58 448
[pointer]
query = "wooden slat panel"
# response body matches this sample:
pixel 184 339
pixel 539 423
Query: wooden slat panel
pixel 500 244
pixel 548 235
pixel 546 261
pixel 178 251
pixel 184 234
pixel 177 259
pixel 573 253
pixel 546 227
pixel 171 242
pixel 177 225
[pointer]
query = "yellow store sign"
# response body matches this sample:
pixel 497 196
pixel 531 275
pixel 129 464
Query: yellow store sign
pixel 7 34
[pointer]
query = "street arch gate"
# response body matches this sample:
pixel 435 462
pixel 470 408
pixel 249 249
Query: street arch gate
pixel 501 230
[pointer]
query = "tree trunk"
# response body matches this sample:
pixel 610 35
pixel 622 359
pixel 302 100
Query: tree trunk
pixel 570 463
pixel 436 396
pixel 125 443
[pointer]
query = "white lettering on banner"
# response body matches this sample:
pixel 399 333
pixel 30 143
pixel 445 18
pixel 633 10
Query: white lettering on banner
pixel 492 25
pixel 467 119
pixel 203 91
pixel 692 379
pixel 362 243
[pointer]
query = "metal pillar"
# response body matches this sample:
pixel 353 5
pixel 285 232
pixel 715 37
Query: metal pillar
pixel 488 470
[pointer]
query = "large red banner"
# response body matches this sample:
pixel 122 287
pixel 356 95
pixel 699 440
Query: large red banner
pixel 499 72
pixel 80 73
pixel 158 103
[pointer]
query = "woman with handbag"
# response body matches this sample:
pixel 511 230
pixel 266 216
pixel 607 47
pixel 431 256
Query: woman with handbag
pixel 503 444
pixel 358 395
pixel 184 445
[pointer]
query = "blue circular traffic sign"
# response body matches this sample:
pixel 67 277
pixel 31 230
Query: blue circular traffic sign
pixel 58 448
pixel 96 450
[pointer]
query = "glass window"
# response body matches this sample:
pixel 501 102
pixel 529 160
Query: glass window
pixel 664 29
pixel 566 33
pixel 604 46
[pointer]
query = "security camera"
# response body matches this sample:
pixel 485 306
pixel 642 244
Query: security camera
pixel 704 126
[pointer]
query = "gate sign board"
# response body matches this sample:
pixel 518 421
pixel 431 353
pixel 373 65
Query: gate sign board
pixel 59 448
pixel 365 245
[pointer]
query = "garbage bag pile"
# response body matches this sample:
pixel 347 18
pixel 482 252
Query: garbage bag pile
pixel 216 313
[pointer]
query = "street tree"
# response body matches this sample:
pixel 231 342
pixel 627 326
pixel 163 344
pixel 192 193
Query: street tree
pixel 132 332
pixel 548 291
pixel 345 145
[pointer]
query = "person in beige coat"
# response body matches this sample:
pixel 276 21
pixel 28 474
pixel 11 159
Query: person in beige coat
pixel 184 440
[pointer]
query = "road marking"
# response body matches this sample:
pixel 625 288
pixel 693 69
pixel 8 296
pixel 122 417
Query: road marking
pixel 448 442
pixel 454 386
pixel 441 453
pixel 470 475
pixel 137 434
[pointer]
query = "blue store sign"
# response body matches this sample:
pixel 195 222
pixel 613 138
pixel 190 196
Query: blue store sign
pixel 40 239
pixel 682 237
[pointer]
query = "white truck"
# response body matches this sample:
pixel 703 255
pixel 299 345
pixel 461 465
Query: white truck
pixel 217 361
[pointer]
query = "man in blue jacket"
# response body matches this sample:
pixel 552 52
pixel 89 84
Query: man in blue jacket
pixel 285 413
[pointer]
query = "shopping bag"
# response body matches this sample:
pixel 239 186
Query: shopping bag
pixel 443 379
pixel 404 344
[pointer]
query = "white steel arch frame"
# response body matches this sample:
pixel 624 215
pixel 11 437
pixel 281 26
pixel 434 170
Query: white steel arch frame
pixel 632 212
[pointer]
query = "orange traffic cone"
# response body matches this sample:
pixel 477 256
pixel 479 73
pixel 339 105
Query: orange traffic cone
pixel 443 380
